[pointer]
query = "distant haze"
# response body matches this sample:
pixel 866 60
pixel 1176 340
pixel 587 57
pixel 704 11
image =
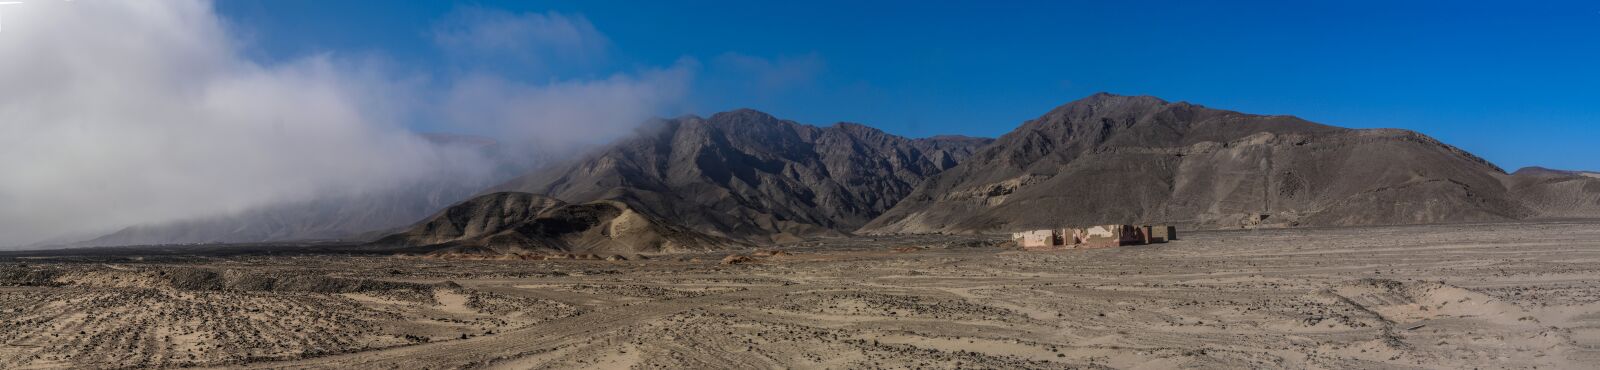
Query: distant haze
pixel 118 113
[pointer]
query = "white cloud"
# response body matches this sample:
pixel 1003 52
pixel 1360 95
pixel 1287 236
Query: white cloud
pixel 549 115
pixel 533 39
pixel 116 113
pixel 562 115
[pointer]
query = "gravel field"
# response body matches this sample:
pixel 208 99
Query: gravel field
pixel 1522 295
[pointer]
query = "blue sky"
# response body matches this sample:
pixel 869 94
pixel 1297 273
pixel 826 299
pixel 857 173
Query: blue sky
pixel 1515 82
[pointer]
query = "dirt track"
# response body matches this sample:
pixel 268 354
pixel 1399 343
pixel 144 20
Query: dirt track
pixel 1486 296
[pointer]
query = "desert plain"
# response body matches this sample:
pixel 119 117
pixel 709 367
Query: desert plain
pixel 1501 295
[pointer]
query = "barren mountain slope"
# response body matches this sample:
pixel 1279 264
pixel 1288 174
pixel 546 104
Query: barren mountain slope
pixel 747 175
pixel 506 223
pixel 1557 193
pixel 1128 159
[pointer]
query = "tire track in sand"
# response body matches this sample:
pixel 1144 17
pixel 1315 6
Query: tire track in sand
pixel 527 341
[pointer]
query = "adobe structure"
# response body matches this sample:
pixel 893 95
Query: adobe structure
pixel 1098 236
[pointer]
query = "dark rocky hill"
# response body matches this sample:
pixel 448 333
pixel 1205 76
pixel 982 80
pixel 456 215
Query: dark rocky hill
pixel 747 175
pixel 512 223
pixel 1139 159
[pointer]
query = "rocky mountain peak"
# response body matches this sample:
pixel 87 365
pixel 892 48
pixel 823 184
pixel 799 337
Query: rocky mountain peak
pixel 748 175
pixel 1140 159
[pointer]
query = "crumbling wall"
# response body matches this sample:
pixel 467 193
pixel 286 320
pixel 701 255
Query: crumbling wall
pixel 1097 236
pixel 1035 239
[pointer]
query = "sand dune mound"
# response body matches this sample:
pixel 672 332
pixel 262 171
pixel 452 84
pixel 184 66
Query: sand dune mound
pixel 1413 302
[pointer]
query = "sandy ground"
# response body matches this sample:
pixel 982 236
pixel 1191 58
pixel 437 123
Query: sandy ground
pixel 1459 296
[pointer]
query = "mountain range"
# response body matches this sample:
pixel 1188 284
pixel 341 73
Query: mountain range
pixel 744 178
pixel 750 176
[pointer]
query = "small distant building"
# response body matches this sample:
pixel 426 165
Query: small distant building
pixel 1036 239
pixel 1098 236
pixel 1106 236
pixel 1162 234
